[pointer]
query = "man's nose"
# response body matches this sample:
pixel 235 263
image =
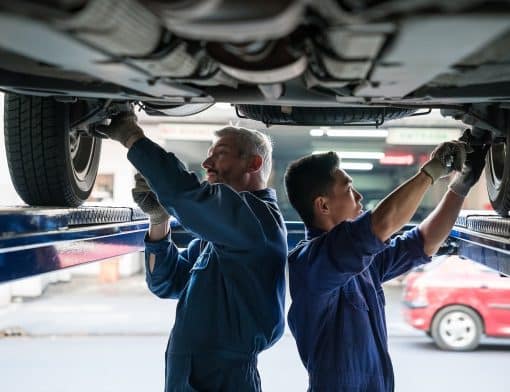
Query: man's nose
pixel 359 196
pixel 206 164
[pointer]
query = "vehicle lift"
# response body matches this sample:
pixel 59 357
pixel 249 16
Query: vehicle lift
pixel 36 240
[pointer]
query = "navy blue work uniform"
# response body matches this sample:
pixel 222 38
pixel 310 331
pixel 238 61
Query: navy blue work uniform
pixel 230 282
pixel 337 312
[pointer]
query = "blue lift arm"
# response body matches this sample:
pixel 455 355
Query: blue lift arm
pixel 483 237
pixel 39 240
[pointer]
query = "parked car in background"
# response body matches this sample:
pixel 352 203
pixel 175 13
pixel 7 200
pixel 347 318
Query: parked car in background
pixel 67 65
pixel 456 301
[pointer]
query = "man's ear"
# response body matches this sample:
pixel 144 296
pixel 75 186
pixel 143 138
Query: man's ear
pixel 321 205
pixel 255 163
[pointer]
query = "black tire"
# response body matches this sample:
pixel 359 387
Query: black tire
pixel 470 331
pixel 497 173
pixel 49 164
pixel 320 116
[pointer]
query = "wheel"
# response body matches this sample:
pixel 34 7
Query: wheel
pixel 50 164
pixel 457 328
pixel 319 116
pixel 497 173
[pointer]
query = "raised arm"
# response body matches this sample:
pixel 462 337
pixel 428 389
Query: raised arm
pixel 214 212
pixel 398 208
pixel 436 227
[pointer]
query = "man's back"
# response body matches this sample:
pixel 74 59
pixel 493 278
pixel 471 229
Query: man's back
pixel 337 312
pixel 233 301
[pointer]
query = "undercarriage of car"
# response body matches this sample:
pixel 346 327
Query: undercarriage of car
pixel 66 65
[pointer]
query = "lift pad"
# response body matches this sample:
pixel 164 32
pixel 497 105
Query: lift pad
pixel 36 240
pixel 483 237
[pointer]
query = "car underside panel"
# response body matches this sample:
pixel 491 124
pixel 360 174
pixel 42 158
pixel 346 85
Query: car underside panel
pixel 285 52
pixel 25 37
pixel 424 48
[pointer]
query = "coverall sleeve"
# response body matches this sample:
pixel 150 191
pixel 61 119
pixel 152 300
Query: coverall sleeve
pixel 214 212
pixel 171 268
pixel 351 247
pixel 403 253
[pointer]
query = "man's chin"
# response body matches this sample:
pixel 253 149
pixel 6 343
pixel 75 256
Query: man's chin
pixel 213 180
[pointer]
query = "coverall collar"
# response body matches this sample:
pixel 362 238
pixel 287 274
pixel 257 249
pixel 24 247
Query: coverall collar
pixel 312 232
pixel 268 194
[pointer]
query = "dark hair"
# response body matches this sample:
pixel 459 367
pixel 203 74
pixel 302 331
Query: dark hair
pixel 306 179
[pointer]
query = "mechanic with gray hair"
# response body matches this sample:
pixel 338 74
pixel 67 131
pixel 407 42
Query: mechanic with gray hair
pixel 230 280
pixel 337 312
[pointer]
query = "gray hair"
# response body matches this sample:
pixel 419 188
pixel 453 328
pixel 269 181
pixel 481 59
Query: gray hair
pixel 252 142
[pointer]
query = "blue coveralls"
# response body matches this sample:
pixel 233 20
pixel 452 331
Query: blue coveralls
pixel 230 282
pixel 337 312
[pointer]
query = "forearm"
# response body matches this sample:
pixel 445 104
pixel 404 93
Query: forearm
pixel 166 271
pixel 158 231
pixel 397 208
pixel 132 140
pixel 436 227
pixel 166 175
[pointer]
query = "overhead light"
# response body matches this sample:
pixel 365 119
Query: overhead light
pixel 317 132
pixel 361 166
pixel 360 154
pixel 397 159
pixel 356 154
pixel 350 133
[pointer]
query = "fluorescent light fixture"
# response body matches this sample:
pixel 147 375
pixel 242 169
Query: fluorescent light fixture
pixel 317 132
pixel 356 154
pixel 361 166
pixel 360 154
pixel 351 133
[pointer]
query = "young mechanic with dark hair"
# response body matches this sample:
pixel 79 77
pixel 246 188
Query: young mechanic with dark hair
pixel 337 313
pixel 230 282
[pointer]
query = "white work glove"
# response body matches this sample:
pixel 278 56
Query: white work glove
pixel 472 168
pixel 446 157
pixel 122 128
pixel 148 202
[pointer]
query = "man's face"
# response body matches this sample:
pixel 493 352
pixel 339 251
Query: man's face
pixel 344 200
pixel 224 163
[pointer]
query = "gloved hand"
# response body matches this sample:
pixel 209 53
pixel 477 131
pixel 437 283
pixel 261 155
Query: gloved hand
pixel 472 168
pixel 148 202
pixel 123 128
pixel 446 157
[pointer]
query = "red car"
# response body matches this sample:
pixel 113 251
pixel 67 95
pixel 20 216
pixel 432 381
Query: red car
pixel 456 300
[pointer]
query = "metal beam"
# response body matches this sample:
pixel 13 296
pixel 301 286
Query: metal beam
pixel 36 240
pixel 483 237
